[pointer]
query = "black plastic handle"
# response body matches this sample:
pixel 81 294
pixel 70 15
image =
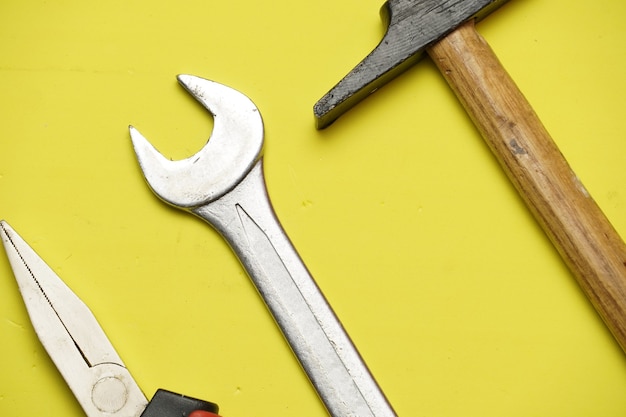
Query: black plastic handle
pixel 169 404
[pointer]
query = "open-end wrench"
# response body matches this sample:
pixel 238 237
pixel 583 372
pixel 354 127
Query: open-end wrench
pixel 223 184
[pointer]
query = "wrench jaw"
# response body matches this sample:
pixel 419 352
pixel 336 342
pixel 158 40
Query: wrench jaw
pixel 235 145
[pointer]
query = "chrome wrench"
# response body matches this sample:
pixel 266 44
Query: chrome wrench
pixel 223 184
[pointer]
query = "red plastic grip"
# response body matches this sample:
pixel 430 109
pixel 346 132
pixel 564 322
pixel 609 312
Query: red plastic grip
pixel 201 413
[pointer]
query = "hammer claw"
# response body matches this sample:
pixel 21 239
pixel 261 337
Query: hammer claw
pixel 411 26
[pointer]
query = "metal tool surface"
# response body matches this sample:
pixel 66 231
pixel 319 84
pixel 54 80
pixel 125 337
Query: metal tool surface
pixel 223 184
pixel 79 347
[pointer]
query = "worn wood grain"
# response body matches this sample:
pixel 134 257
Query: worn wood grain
pixel 582 234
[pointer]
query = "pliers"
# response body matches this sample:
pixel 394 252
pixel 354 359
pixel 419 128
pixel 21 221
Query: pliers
pixel 79 347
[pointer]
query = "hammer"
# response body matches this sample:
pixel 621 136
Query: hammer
pixel 583 236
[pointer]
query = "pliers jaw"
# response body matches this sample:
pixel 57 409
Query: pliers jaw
pixel 79 348
pixel 71 335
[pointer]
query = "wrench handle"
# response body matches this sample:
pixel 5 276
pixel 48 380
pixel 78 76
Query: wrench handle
pixel 245 218
pixel 584 237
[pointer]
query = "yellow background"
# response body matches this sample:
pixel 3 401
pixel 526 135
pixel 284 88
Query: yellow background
pixel 457 301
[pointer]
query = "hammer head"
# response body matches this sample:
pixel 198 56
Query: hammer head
pixel 412 25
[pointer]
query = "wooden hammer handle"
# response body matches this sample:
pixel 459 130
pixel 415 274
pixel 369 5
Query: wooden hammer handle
pixel 572 220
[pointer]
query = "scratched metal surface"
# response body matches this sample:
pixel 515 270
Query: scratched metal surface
pixel 455 298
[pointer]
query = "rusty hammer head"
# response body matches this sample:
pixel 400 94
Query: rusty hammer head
pixel 412 25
